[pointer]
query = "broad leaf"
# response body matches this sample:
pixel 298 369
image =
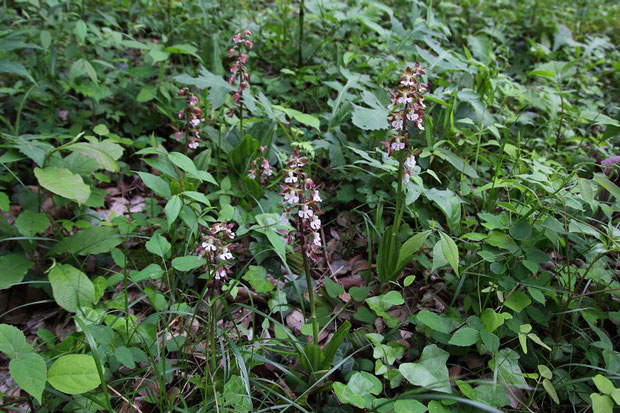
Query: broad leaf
pixel 74 374
pixel 430 371
pixel 71 288
pixel 63 182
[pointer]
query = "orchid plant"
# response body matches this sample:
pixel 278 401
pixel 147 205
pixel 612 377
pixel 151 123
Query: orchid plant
pixel 239 75
pixel 406 113
pixel 301 202
pixel 192 116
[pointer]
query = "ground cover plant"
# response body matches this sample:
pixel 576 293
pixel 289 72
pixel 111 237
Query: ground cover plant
pixel 315 206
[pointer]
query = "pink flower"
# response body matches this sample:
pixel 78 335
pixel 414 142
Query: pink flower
pixel 316 196
pixel 243 58
pixel 193 100
pixel 305 212
pixel 181 113
pixel 291 198
pixel 248 44
pixel 231 79
pixel 237 38
pixel 247 33
pixel 231 52
pixel 397 145
pixel 317 239
pixel 410 162
pixel 291 178
pixel 315 223
pixel 236 96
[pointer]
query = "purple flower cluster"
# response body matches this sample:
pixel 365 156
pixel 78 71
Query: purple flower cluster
pixel 406 106
pixel 192 116
pixel 301 202
pixel 216 247
pixel 261 168
pixel 238 70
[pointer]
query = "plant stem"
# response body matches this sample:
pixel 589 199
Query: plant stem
pixel 315 324
pixel 301 32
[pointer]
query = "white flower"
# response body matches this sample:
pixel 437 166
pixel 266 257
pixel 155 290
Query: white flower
pixel 251 174
pixel 412 116
pixel 305 212
pixel 193 145
pixel 410 162
pixel 195 122
pixel 220 273
pixel 208 245
pixel 316 197
pixel 291 198
pixel 397 124
pixel 398 145
pixel 225 255
pixel 317 239
pixel 290 178
pixel 315 223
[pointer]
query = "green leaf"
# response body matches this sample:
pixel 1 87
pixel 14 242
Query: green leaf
pixel 362 383
pixel 30 373
pixel 146 94
pixel 333 288
pixel 101 130
pixel 601 403
pixel 521 230
pixel 603 384
pixel 457 162
pixel 104 153
pixel 173 207
pixel 15 68
pixel 464 337
pixel 506 366
pixel 125 356
pixel 29 223
pixel 548 386
pixel 300 117
pixel 80 31
pixel 182 161
pixel 410 247
pixel 257 277
pixel 517 301
pixel 188 263
pixel 347 396
pixel 450 251
pixel 71 288
pixel 93 240
pixel 74 374
pixel 13 268
pixel 152 271
pixel 381 303
pixel 432 320
pixel 370 119
pixel 409 406
pixel 156 184
pixel 235 395
pixel 330 350
pixel 13 342
pixel 491 320
pixel 430 371
pixel 158 245
pixel 218 87
pixel 63 182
